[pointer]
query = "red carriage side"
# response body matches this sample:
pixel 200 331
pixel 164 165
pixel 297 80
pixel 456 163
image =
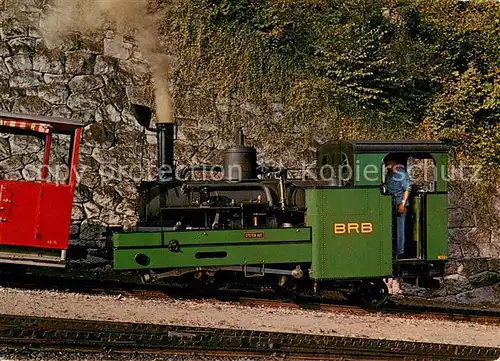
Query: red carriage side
pixel 35 215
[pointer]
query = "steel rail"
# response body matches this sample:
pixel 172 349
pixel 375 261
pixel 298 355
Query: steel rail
pixel 129 355
pixel 50 333
pixel 399 310
pixel 158 292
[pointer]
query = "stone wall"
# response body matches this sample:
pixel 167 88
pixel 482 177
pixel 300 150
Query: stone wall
pixel 473 273
pixel 94 79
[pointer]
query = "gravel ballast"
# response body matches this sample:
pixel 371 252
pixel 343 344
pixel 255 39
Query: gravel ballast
pixel 209 313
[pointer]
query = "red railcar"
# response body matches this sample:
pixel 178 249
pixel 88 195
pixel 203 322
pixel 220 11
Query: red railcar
pixel 35 214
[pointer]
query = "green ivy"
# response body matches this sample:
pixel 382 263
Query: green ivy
pixel 467 115
pixel 392 69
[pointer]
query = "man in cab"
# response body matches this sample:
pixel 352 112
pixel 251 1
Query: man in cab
pixel 398 185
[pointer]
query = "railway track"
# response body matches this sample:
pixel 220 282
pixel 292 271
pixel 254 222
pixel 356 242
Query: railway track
pixel 48 334
pixel 400 310
pixel 152 291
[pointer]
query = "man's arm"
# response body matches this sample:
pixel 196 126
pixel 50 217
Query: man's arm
pixel 405 184
pixel 406 194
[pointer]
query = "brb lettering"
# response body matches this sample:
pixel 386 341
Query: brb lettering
pixel 349 228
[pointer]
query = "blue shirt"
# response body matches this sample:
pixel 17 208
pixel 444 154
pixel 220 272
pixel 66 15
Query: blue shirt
pixel 398 183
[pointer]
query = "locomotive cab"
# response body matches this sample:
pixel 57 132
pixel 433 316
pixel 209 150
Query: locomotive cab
pixel 426 233
pixel 38 160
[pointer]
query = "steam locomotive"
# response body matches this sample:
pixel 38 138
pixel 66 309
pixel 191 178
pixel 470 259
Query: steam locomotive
pixel 262 228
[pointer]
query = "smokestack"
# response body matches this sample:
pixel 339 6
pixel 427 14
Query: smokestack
pixel 165 142
pixel 240 138
pixel 165 137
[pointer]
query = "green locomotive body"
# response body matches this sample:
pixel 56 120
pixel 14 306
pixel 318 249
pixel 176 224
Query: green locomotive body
pixel 212 248
pixel 335 231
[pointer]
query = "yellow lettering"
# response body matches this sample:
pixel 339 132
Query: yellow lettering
pixel 353 227
pixel 343 228
pixel 339 228
pixel 366 228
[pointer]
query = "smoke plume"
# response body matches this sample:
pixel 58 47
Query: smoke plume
pixel 129 17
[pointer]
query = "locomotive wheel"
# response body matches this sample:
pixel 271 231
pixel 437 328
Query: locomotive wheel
pixel 352 297
pixel 287 294
pixel 288 291
pixel 374 293
pixel 200 283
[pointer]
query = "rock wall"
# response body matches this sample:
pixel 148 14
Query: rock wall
pixel 473 273
pixel 92 80
pixel 95 79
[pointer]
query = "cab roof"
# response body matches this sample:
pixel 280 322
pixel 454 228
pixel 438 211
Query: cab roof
pixel 58 124
pixel 393 146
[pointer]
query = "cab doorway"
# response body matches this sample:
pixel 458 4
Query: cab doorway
pixel 421 170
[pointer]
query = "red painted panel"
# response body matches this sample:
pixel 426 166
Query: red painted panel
pixel 55 215
pixel 19 203
pixel 35 214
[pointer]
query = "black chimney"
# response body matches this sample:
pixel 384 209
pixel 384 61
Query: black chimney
pixel 165 136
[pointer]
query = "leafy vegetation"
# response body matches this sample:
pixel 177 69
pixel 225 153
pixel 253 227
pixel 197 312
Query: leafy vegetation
pixel 352 68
